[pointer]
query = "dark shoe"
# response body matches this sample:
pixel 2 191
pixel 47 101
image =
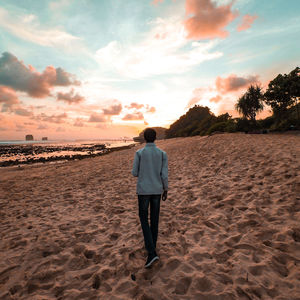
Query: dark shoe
pixel 151 259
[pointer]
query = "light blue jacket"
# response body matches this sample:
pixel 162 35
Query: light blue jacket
pixel 150 165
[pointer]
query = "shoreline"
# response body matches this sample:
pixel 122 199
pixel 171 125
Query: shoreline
pixel 64 158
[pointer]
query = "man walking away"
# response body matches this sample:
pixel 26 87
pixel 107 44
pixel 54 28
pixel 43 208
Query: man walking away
pixel 151 167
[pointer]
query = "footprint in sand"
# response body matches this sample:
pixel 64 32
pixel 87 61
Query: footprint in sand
pixel 202 284
pixel 201 256
pixel 197 235
pixel 89 254
pixel 182 285
pixel 114 236
pixel 257 270
pixel 172 264
pixel 278 265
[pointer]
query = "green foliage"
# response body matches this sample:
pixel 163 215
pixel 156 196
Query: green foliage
pixel 284 125
pixel 250 103
pixel 243 125
pixel 266 123
pixel 289 122
pixel 200 121
pixel 221 126
pixel 230 126
pixel 283 92
pixel 188 124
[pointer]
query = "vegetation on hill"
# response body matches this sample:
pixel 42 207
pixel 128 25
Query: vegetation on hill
pixel 282 95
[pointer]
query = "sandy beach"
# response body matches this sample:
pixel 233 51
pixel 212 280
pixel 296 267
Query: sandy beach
pixel 229 229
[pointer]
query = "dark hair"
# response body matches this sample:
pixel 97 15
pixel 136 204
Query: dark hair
pixel 149 135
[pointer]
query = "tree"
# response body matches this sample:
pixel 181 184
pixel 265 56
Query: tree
pixel 250 103
pixel 295 89
pixel 284 92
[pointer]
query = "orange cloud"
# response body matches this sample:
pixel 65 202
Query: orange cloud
pixel 234 83
pixel 215 99
pixel 134 116
pixel 70 97
pixel 135 105
pixel 23 112
pixel 95 118
pixel 20 127
pixel 247 21
pixel 78 123
pixel 15 74
pixel 197 96
pixel 206 20
pixel 8 97
pixel 60 129
pixel 52 119
pixel 42 127
pixel 151 110
pixel 113 110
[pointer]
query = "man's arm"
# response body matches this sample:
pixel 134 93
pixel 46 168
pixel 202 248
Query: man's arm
pixel 164 176
pixel 136 164
pixel 164 171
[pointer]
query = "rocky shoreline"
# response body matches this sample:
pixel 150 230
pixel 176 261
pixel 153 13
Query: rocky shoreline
pixel 30 154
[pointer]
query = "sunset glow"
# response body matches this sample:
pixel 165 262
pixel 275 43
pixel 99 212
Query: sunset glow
pixel 107 69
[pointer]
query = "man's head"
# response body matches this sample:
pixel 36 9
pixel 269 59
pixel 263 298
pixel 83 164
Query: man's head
pixel 150 135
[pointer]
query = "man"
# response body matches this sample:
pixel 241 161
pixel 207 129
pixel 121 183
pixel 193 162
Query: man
pixel 151 167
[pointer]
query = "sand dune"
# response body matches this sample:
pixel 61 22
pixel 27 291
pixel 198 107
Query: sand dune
pixel 229 230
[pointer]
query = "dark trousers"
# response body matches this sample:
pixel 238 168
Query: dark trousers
pixel 150 233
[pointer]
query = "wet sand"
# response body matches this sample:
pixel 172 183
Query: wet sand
pixel 229 229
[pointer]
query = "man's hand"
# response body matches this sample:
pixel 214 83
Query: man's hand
pixel 165 195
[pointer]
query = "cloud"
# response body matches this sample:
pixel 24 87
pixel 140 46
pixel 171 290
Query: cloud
pixel 172 54
pixel 8 97
pixel 134 116
pixel 78 122
pixel 135 105
pixel 97 118
pixel 52 118
pixel 11 103
pixel 197 96
pixel 70 97
pixel 113 110
pixel 215 99
pixel 23 112
pixel 27 28
pixel 247 21
pixel 151 109
pixel 60 129
pixel 64 78
pixel 193 101
pixel 42 127
pixel 15 74
pixel 206 20
pixel 234 83
pixel 20 127
pixel 102 126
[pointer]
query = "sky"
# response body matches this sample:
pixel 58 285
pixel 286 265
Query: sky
pixel 88 69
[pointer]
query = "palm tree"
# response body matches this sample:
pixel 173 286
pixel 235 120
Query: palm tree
pixel 250 103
